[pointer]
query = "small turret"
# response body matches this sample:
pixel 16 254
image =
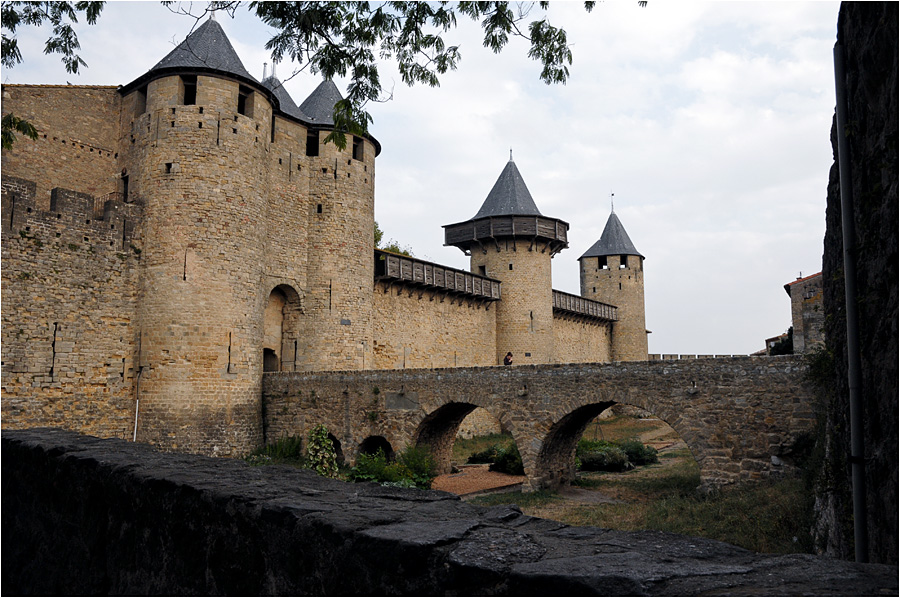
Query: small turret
pixel 612 271
pixel 510 240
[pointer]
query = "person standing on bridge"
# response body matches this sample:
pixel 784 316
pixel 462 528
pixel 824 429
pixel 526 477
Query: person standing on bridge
pixel 508 359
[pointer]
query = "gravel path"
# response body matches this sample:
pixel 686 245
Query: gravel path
pixel 476 479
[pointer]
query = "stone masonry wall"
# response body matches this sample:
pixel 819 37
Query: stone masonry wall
pixel 414 328
pixel 525 313
pixel 624 288
pixel 807 314
pixel 581 341
pixel 69 311
pixel 83 516
pixel 739 416
pixel 77 139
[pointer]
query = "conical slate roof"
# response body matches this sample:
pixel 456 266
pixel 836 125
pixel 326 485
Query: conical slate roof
pixel 613 241
pixel 509 196
pixel 285 101
pixel 206 48
pixel 319 106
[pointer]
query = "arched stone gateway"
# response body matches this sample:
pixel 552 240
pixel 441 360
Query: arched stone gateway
pixel 739 416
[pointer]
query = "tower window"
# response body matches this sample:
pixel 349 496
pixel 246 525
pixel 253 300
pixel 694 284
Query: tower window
pixel 312 143
pixel 318 208
pixel 623 261
pixel 482 270
pixel 140 101
pixel 189 83
pixel 510 266
pixel 245 101
pixel 601 263
pixel 357 148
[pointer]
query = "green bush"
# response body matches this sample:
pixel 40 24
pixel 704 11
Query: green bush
pixel 369 468
pixel 638 452
pixel 508 461
pixel 609 458
pixel 488 455
pixel 586 446
pixel 420 464
pixel 320 454
pixel 414 468
pixel 288 449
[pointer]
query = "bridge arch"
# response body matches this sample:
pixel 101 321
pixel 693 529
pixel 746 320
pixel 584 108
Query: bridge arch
pixel 739 416
pixel 372 444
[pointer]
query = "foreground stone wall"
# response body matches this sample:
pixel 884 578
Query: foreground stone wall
pixel 741 417
pixel 868 32
pixel 83 516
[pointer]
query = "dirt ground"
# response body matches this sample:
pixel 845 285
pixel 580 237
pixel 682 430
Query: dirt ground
pixel 474 480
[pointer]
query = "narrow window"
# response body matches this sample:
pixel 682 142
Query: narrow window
pixel 125 187
pixel 319 209
pixel 189 82
pixel 482 270
pixel 168 168
pixel 623 261
pixel 357 148
pixel 312 143
pixel 140 101
pixel 601 263
pixel 510 266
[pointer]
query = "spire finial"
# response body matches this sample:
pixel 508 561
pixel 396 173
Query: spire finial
pixel 510 154
pixel 212 15
pixel 612 205
pixel 274 64
pixel 265 68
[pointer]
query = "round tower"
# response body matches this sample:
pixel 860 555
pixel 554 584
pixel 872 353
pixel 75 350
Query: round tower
pixel 612 271
pixel 338 332
pixel 198 142
pixel 511 241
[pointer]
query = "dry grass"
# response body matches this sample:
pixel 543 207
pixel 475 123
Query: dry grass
pixel 765 517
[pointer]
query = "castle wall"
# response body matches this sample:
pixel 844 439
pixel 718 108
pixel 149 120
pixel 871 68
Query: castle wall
pixel 415 328
pixel 77 138
pixel 525 314
pixel 624 288
pixel 69 307
pixel 578 340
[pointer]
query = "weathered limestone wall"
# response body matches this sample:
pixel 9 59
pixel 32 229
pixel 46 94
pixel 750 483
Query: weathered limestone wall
pixel 338 324
pixel 807 313
pixel 69 311
pixel 578 340
pixel 83 516
pixel 624 288
pixel 525 314
pixel 740 416
pixel 479 422
pixel 868 32
pixel 77 138
pixel 202 181
pixel 415 328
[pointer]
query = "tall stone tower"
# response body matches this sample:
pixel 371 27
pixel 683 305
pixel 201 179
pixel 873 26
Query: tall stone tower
pixel 510 240
pixel 612 271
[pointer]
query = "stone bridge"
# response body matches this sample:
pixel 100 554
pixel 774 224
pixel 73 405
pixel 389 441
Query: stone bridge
pixel 739 416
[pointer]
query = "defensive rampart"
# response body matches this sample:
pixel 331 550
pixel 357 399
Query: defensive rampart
pixel 84 516
pixel 740 416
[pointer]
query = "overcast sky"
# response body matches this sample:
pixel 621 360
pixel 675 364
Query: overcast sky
pixel 708 121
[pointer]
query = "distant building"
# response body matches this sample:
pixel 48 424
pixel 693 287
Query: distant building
pixel 807 312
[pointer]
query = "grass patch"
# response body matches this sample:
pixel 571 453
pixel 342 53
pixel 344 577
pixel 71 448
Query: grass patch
pixel 288 450
pixel 522 499
pixel 463 447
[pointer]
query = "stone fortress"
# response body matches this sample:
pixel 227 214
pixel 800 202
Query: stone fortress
pixel 168 241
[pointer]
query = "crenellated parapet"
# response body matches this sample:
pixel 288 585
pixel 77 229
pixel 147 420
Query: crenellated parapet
pixel 74 218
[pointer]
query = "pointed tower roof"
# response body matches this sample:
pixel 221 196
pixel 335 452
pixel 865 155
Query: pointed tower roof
pixel 509 196
pixel 509 212
pixel 613 241
pixel 319 106
pixel 285 101
pixel 206 48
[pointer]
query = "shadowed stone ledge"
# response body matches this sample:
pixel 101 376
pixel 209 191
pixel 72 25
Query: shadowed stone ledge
pixel 83 515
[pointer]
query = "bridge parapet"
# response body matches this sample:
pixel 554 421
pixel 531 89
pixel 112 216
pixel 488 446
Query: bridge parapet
pixel 740 416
